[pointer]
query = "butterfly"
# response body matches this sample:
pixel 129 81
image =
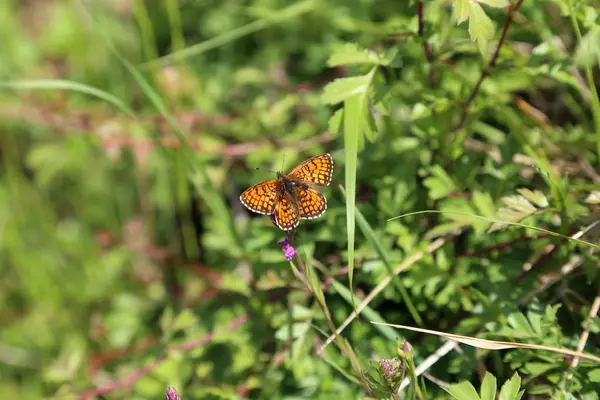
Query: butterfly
pixel 291 197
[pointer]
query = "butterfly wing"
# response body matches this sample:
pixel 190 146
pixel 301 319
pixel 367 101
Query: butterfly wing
pixel 286 212
pixel 261 198
pixel 316 170
pixel 311 203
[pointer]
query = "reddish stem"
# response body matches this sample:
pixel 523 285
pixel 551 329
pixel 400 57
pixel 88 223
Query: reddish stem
pixel 511 11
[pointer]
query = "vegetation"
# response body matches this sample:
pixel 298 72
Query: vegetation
pixel 464 204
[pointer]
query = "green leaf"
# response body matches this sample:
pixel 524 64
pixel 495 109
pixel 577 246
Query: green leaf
pixel 519 207
pixel 463 391
pixel 481 27
pixel 463 9
pixel 535 197
pixel 287 333
pixel 336 121
pixel 510 389
pixel 594 375
pixel 519 204
pixel 488 387
pixel 484 203
pixel 185 320
pixel 588 51
pixel 355 108
pixel 440 184
pixel 343 88
pixel 350 53
pixel 519 322
pixel 352 123
pixel 538 368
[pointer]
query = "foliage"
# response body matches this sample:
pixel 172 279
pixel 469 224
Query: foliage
pixel 466 142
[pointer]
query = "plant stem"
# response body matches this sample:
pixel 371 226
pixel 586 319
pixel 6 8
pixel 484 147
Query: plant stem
pixel 511 10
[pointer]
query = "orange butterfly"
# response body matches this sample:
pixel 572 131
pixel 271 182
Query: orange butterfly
pixel 290 197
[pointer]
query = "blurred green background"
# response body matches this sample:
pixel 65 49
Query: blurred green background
pixel 129 128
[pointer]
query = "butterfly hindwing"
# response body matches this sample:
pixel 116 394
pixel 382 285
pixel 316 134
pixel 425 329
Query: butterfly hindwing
pixel 286 214
pixel 311 203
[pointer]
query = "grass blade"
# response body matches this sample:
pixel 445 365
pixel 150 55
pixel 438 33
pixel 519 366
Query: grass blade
pixel 60 84
pixel 368 311
pixel 535 228
pixel 352 124
pixel 292 11
pixel 372 238
pixel 494 344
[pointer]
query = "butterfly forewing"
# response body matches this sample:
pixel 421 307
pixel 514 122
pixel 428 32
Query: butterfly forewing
pixel 262 197
pixel 311 203
pixel 286 215
pixel 315 171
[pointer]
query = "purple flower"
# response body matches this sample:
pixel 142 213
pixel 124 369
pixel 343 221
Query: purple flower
pixel 288 250
pixel 172 394
pixel 392 371
pixel 286 244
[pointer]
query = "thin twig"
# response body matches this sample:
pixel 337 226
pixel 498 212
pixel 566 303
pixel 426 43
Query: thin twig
pixel 585 334
pixel 151 366
pixel 502 245
pixel 382 285
pixel 509 17
pixel 429 361
pixel 569 267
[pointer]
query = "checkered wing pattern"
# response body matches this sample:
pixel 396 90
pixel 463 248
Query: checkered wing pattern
pixel 311 203
pixel 315 171
pixel 261 198
pixel 286 214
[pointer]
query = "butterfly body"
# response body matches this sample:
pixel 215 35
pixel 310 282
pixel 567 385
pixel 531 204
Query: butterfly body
pixel 291 197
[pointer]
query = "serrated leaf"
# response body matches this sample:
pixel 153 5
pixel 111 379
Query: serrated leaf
pixel 495 3
pixel 440 184
pixel 519 322
pixel 484 203
pixel 535 197
pixel 588 51
pixel 593 198
pixel 343 88
pixel 488 387
pixel 538 368
pixel 510 389
pixel 463 391
pixel 463 8
pixel 481 27
pixel 519 204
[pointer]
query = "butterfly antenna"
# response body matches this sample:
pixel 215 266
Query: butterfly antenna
pixel 263 169
pixel 283 161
